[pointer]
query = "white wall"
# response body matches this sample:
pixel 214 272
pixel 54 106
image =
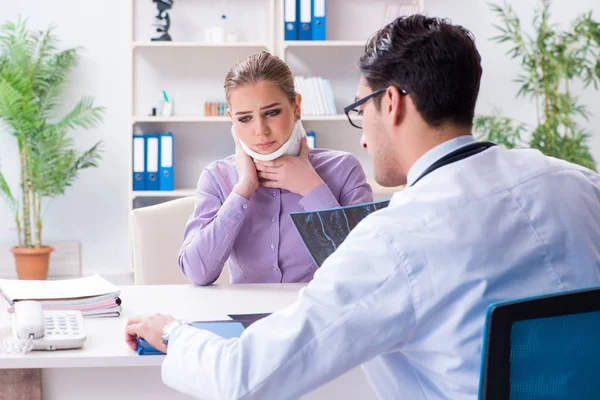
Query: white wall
pixel 94 210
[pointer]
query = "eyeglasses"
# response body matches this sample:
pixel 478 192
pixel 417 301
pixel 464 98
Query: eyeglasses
pixel 354 114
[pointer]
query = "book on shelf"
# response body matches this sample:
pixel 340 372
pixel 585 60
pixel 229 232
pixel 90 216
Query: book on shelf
pixel 217 108
pixel 317 95
pixel 401 8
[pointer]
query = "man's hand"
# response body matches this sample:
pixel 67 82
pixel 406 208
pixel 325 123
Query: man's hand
pixel 149 328
pixel 295 174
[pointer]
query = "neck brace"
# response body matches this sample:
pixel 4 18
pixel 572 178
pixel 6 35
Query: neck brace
pixel 290 147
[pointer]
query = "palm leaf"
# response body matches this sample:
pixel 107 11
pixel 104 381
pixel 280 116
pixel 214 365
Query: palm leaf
pixel 83 115
pixel 14 109
pixel 88 159
pixel 7 195
pixel 33 77
pixel 51 79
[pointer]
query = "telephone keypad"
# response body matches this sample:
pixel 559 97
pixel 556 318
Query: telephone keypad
pixel 65 329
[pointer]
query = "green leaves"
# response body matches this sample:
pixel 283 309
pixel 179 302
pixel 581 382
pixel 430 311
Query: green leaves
pixel 551 61
pixel 7 195
pixel 50 79
pixel 33 77
pixel 84 115
pixel 500 130
pixel 54 163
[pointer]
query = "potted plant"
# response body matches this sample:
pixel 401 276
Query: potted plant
pixel 33 74
pixel 553 61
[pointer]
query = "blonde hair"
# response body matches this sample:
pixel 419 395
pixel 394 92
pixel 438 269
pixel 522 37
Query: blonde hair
pixel 261 67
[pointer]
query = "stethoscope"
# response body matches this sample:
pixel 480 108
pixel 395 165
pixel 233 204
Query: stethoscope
pixel 457 155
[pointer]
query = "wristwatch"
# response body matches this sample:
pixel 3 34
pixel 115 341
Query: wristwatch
pixel 169 328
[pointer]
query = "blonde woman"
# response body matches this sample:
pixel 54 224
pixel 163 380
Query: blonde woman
pixel 243 204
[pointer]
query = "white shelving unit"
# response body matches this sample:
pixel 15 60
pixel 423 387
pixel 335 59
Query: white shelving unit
pixel 201 118
pixel 180 118
pixel 324 43
pixel 192 71
pixel 158 193
pixel 198 45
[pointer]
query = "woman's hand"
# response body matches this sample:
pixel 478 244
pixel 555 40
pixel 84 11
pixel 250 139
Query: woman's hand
pixel 295 174
pixel 247 175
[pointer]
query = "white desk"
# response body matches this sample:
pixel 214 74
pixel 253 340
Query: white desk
pixel 106 368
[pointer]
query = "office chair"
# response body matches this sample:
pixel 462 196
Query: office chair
pixel 545 347
pixel 157 235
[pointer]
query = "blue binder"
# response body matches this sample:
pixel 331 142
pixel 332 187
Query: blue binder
pixel 311 140
pixel 319 20
pixel 152 161
pixel 305 11
pixel 290 19
pixel 139 162
pixel 166 160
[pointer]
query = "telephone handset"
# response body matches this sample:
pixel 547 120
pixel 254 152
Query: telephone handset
pixel 290 147
pixel 35 329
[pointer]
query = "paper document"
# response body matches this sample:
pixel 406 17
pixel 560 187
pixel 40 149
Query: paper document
pixel 323 231
pixel 90 286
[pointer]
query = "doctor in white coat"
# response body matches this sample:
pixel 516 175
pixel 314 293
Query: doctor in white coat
pixel 405 295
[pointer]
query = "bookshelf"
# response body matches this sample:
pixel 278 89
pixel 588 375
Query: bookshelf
pixel 157 193
pixel 192 71
pixel 201 118
pixel 180 118
pixel 198 45
pixel 324 43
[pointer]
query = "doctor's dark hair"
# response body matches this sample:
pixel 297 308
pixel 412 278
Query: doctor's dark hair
pixel 261 67
pixel 436 62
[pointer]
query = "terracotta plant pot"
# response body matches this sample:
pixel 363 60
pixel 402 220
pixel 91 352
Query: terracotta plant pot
pixel 32 263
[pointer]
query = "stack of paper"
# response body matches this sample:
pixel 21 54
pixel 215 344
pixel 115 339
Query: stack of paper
pixel 93 295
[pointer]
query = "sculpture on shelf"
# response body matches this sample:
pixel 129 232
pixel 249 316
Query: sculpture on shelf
pixel 163 20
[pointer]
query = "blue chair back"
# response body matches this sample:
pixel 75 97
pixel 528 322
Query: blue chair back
pixel 545 347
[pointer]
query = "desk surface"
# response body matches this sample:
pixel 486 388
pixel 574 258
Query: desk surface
pixel 105 345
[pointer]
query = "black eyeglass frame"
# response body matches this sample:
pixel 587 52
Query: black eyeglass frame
pixel 353 106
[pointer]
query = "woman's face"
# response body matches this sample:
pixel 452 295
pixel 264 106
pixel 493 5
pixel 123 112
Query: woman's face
pixel 262 116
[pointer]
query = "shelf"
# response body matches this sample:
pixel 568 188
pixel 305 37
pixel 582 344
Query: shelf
pixel 324 43
pixel 339 117
pixel 200 45
pixel 199 118
pixel 183 118
pixel 377 189
pixel 163 193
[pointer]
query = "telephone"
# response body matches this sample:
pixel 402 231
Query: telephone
pixel 290 147
pixel 35 329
